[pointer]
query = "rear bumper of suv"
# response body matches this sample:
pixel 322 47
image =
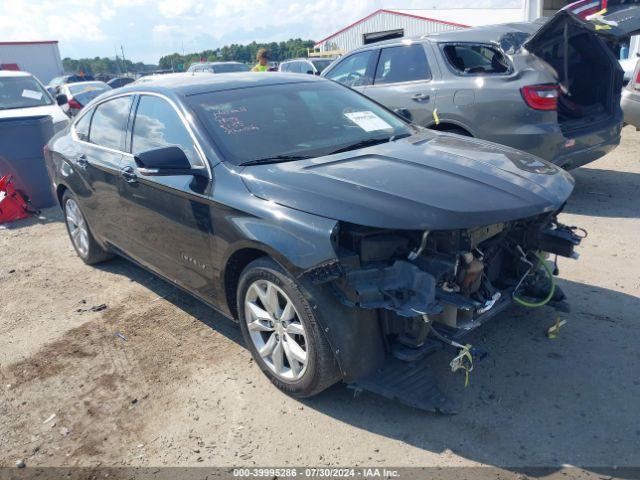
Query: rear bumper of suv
pixel 586 146
pixel 570 150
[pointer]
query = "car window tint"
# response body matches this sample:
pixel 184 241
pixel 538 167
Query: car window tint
pixel 158 125
pixel 321 64
pixel 352 71
pixel 476 59
pixel 109 123
pixel 402 64
pixel 82 126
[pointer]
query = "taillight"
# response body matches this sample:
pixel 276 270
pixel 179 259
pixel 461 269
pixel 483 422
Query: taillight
pixel 73 103
pixel 636 84
pixel 541 97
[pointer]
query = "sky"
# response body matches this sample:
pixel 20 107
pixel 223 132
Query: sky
pixel 149 29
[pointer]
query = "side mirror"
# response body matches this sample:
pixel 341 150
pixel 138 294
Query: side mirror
pixel 404 113
pixel 165 161
pixel 62 99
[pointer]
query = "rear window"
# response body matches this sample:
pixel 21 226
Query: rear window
pixel 475 59
pixel 110 122
pixel 81 88
pixel 230 67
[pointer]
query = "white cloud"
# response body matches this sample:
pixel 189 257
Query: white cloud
pixel 182 8
pixel 50 20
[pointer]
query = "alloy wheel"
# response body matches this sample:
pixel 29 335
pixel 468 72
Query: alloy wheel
pixel 77 227
pixel 276 330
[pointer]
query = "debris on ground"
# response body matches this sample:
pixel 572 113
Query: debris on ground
pixel 53 415
pixel 119 335
pixel 20 463
pixel 95 308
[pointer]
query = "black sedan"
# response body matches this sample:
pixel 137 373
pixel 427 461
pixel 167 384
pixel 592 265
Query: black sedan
pixel 336 233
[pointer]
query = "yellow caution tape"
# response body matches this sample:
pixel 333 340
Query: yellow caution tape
pixel 436 118
pixel 554 330
pixel 463 361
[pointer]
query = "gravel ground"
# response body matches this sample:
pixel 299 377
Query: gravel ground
pixel 158 379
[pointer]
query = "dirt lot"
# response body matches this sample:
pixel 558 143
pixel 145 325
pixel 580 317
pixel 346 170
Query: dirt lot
pixel 158 379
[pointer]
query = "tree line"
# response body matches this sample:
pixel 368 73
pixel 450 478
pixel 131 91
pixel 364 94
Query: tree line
pixel 278 51
pixel 105 65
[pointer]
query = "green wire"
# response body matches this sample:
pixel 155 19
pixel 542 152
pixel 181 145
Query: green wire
pixel 541 303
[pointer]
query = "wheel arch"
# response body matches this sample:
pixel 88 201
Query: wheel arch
pixel 354 334
pixel 450 125
pixel 60 189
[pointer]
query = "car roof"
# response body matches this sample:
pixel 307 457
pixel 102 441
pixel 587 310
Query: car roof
pixel 185 84
pixel 484 34
pixel 14 73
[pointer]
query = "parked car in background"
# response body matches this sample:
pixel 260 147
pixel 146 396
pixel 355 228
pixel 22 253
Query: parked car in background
pixel 311 66
pixel 630 101
pixel 329 227
pixel 628 66
pixel 56 82
pixel 72 97
pixel 120 82
pixel 504 83
pixel 22 95
pixel 218 67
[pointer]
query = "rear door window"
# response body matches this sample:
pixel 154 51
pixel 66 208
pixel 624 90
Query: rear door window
pixel 109 123
pixel 402 64
pixel 475 59
pixel 157 125
pixel 353 70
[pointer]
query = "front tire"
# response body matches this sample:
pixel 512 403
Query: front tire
pixel 281 331
pixel 82 240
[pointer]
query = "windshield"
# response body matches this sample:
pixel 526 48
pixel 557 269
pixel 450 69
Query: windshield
pixel 22 92
pixel 293 120
pixel 230 67
pixel 321 64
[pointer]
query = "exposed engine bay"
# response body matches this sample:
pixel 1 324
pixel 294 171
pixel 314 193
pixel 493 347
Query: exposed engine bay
pixel 445 283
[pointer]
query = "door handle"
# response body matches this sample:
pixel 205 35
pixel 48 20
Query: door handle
pixel 129 174
pixel 421 97
pixel 82 162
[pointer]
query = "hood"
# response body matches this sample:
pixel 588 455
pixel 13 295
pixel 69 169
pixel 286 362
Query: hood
pixel 433 181
pixel 54 111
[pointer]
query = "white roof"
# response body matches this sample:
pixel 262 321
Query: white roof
pixel 472 17
pixel 14 73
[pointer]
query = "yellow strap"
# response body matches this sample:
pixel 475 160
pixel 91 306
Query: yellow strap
pixel 436 118
pixel 458 363
pixel 554 330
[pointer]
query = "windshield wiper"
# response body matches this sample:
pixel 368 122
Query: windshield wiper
pixel 275 159
pixel 369 142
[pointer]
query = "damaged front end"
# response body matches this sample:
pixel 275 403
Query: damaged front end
pixel 450 281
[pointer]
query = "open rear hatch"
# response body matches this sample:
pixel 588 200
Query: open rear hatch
pixel 588 73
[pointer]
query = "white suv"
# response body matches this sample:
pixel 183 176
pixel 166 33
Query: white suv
pixel 22 95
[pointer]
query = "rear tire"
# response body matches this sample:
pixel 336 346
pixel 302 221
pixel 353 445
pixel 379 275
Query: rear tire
pixel 81 237
pixel 277 320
